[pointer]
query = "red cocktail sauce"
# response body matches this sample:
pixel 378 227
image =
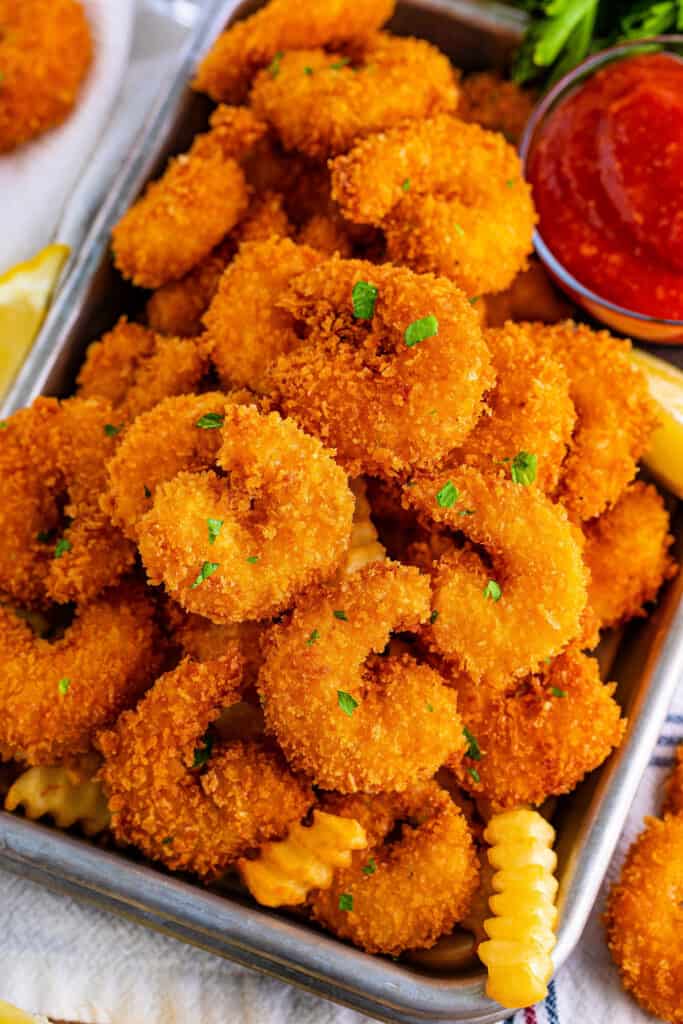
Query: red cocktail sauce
pixel 607 178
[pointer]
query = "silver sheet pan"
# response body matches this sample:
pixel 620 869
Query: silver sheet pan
pixel 648 665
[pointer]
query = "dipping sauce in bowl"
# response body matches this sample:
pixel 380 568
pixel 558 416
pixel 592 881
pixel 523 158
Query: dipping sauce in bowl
pixel 605 161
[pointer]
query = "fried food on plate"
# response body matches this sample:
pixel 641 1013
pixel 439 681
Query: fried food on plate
pixel 321 103
pixel 241 536
pixel 627 554
pixel 644 919
pixel 346 716
pixel 424 880
pixel 495 103
pixel 540 738
pixel 392 369
pixel 237 54
pixel 133 367
pixel 46 50
pixel 55 696
pixel 450 197
pixel 182 797
pixel 499 616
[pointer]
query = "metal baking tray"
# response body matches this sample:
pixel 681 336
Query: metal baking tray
pixel 648 664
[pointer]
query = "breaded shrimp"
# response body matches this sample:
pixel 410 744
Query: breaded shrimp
pixel 644 919
pixel 245 329
pixel 627 554
pixel 57 544
pixel 196 820
pixel 450 197
pixel 226 71
pixel 327 235
pixel 496 103
pixel 203 640
pixel 349 718
pixel 321 103
pixel 55 696
pixel 502 617
pixel 423 881
pixel 531 296
pixel 364 384
pixel 134 368
pixel 240 544
pixel 45 52
pixel 542 737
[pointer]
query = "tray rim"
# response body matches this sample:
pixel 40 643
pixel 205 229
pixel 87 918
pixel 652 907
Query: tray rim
pixel 243 932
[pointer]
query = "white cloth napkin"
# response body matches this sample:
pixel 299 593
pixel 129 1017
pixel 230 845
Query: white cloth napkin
pixel 37 178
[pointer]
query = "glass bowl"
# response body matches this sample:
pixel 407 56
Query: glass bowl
pixel 627 321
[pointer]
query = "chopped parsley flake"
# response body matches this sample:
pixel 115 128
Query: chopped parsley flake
pixel 342 616
pixel 405 185
pixel 557 692
pixel 207 569
pixel 339 64
pixel 473 750
pixel 523 468
pixel 510 182
pixel 148 493
pixel 466 512
pixel 308 70
pixel 63 685
pixel 313 637
pixel 214 526
pixel 448 495
pixel 3 424
pixel 492 591
pixel 203 753
pixel 429 706
pixel 274 66
pixel 346 702
pixel 211 421
pixel 364 297
pixel 474 299
pixel 63 545
pixel 434 616
pixel 370 867
pixel 111 430
pixel 474 774
pixel 459 230
pixel 167 840
pixel 253 559
pixel 420 330
pixel 43 537
pixel 346 901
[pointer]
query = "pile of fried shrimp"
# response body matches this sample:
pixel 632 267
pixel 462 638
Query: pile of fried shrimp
pixel 331 529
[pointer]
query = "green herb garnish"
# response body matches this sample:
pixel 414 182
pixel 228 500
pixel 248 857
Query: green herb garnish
pixel 492 591
pixel 557 692
pixel 370 867
pixel 111 430
pixel 214 526
pixel 473 749
pixel 405 185
pixel 448 495
pixel 207 569
pixel 342 616
pixel 420 330
pixel 523 468
pixel 274 66
pixel 364 297
pixel 211 421
pixel 434 616
pixel 346 702
pixel 63 685
pixel 313 638
pixel 346 901
pixel 63 545
pixel 203 753
pixel 474 774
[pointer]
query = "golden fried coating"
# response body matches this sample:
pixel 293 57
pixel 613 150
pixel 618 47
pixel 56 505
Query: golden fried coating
pixel 496 103
pixel 183 799
pixel 55 696
pixel 423 881
pixel 542 737
pixel 177 307
pixel 226 71
pixel 644 919
pixel 45 52
pixel 203 640
pixel 326 234
pixel 364 385
pixel 349 718
pixel 321 103
pixel 245 329
pixel 450 197
pixel 627 554
pixel 674 789
pixel 615 414
pixel 531 296
pixel 500 618
pixel 529 410
pixel 221 542
pixel 134 368
pixel 58 545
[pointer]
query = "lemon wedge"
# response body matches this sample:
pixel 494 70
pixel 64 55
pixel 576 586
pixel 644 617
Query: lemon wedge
pixel 25 293
pixel 664 457
pixel 10 1015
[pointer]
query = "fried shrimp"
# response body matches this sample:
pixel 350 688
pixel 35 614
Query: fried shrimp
pixel 500 619
pixel 424 881
pixel 55 696
pixel 346 716
pixel 393 369
pixel 226 71
pixel 627 554
pixel 614 422
pixel 196 820
pixel 495 103
pixel 58 545
pixel 246 330
pixel 450 197
pixel 542 737
pixel 644 919
pixel 134 368
pixel 321 103
pixel 45 52
pixel 240 545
